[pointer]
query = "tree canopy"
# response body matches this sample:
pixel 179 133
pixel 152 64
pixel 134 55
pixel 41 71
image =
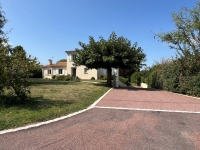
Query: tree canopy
pixel 186 38
pixel 14 70
pixel 2 23
pixel 62 60
pixel 116 52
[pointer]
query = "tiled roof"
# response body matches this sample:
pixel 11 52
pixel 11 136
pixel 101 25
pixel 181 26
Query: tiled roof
pixel 58 64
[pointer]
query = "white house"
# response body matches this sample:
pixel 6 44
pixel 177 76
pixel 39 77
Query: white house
pixel 82 71
pixel 60 68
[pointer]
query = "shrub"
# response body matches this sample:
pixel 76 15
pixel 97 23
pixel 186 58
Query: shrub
pixel 75 79
pixel 124 80
pixel 93 78
pixel 61 78
pixel 105 77
pixel 101 76
pixel 68 77
pixel 53 76
pixel 138 80
pixel 35 72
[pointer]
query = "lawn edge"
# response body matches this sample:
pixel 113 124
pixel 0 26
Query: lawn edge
pixel 56 119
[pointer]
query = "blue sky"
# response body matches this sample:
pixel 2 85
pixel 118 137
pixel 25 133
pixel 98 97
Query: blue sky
pixel 47 28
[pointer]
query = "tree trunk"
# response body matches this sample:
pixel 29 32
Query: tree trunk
pixel 109 70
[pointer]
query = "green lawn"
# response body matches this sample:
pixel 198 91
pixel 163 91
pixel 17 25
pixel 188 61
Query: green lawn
pixel 51 99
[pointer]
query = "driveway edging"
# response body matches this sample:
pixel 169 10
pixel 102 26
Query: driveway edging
pixel 56 119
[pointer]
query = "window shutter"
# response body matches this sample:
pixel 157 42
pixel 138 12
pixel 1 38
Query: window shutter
pixel 63 71
pixel 70 57
pixel 45 72
pixel 56 71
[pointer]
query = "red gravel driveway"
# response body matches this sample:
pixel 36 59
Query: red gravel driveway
pixel 108 129
pixel 149 99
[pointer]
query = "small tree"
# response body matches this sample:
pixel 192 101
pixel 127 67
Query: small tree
pixel 14 69
pixel 185 39
pixel 14 75
pixel 62 60
pixel 116 52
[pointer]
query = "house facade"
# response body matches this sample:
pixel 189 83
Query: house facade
pixel 82 71
pixel 64 68
pixel 60 68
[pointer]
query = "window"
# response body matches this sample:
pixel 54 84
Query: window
pixel 60 71
pixel 73 57
pixel 49 71
pixel 85 70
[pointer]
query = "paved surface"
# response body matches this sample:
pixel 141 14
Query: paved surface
pixel 149 99
pixel 100 128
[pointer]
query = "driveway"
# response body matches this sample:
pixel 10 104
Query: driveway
pixel 123 119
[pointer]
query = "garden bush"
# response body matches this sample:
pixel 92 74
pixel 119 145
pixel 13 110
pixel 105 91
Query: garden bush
pixel 68 77
pixel 61 78
pixel 53 76
pixel 75 79
pixel 124 80
pixel 92 78
pixel 101 76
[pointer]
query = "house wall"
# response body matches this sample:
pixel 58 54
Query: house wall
pixel 45 73
pixel 80 72
pixel 54 71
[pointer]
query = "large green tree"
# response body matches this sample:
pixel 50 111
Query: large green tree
pixel 185 39
pixel 2 23
pixel 116 52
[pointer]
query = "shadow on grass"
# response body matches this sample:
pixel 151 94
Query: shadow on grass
pixel 38 103
pixel 50 82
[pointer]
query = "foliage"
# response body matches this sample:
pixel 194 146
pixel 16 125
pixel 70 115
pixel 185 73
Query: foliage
pixel 180 74
pixel 166 75
pixel 53 76
pixel 62 60
pixel 135 76
pixel 15 71
pixel 101 76
pixel 93 78
pixel 124 80
pixel 61 78
pixel 3 21
pixel 36 71
pixel 76 79
pixel 68 77
pixel 116 52
pixel 185 39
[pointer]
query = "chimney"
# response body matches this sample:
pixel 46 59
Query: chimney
pixel 50 62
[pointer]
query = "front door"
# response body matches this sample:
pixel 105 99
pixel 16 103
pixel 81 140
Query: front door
pixel 74 72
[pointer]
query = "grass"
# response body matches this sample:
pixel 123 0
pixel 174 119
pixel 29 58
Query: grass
pixel 50 99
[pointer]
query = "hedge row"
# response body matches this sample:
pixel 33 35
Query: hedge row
pixel 171 75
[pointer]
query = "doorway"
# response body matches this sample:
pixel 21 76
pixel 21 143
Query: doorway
pixel 74 72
